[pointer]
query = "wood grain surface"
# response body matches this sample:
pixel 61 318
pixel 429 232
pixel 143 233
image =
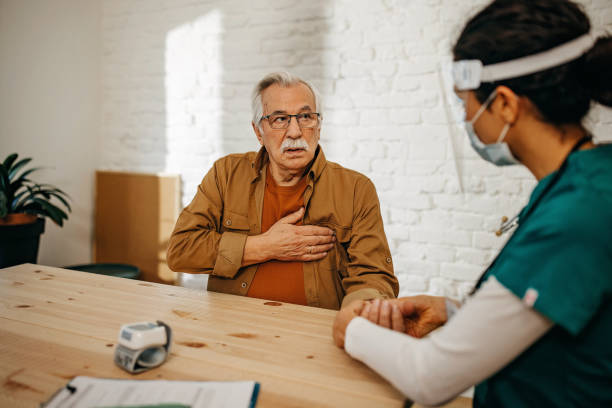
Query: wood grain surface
pixel 56 324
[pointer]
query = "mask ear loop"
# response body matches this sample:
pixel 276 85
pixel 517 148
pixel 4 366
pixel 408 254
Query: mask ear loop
pixel 483 106
pixel 503 133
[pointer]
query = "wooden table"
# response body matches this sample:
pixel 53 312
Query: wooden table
pixel 56 324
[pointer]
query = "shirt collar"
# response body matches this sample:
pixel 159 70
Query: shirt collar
pixel 316 169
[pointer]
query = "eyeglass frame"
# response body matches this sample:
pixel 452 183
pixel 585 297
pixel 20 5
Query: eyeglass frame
pixel 267 117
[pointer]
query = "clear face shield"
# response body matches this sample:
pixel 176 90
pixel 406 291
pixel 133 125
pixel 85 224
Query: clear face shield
pixel 468 75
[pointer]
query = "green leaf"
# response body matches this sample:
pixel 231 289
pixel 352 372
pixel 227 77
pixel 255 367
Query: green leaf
pixel 36 211
pixel 20 194
pixel 54 213
pixel 62 200
pixel 17 196
pixel 41 188
pixel 48 211
pixel 22 177
pixel 33 208
pixel 30 195
pixel 3 204
pixel 13 171
pixel 10 159
pixel 4 178
pixel 17 204
pixel 61 212
pixel 31 191
pixel 54 188
pixel 21 199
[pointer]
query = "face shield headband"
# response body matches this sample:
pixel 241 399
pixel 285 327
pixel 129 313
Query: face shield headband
pixel 469 74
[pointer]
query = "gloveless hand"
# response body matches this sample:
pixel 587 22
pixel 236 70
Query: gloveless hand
pixel 413 315
pixel 285 241
pixel 343 318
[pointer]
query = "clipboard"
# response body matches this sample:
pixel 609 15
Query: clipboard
pixel 89 392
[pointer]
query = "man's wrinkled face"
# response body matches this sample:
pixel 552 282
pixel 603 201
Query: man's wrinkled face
pixel 293 148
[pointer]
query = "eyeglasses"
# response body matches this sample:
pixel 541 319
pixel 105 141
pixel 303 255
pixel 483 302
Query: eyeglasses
pixel 304 120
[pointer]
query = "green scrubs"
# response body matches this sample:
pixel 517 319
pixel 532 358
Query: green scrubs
pixel 559 261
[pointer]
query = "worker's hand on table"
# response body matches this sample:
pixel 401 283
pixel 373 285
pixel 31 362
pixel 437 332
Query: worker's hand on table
pixel 343 318
pixel 286 241
pixel 414 315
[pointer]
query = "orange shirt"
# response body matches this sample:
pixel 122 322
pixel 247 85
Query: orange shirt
pixel 280 280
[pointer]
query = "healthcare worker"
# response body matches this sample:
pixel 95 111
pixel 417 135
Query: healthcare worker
pixel 537 331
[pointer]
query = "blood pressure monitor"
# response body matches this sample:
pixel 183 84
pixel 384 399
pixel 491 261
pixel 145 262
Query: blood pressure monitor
pixel 143 346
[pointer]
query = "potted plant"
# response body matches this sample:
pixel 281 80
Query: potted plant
pixel 24 205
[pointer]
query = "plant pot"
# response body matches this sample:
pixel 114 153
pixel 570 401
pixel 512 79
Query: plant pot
pixel 19 242
pixel 18 219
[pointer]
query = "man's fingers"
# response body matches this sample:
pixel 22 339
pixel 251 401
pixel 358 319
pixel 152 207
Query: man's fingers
pixel 314 257
pixel 397 320
pixel 320 239
pixel 343 318
pixel 315 252
pixel 406 306
pixel 384 318
pixel 293 217
pixel 309 253
pixel 357 306
pixel 365 312
pixel 315 249
pixel 314 230
pixel 374 311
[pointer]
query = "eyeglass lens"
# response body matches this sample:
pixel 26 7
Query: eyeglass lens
pixel 304 120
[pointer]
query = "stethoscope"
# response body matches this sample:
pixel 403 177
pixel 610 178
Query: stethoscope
pixel 517 220
pixel 507 224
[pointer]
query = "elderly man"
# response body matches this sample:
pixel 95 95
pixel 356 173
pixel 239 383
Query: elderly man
pixel 284 223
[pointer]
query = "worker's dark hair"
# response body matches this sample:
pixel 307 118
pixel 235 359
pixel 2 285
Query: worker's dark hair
pixel 509 29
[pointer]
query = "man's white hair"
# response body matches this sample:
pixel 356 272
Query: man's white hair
pixel 284 79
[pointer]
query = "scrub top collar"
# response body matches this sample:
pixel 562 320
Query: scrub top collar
pixel 541 189
pixel 547 182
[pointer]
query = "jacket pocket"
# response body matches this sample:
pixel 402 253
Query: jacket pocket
pixel 232 221
pixel 339 257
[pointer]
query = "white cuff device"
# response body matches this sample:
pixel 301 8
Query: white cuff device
pixel 143 346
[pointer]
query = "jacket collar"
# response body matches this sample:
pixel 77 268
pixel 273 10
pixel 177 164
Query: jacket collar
pixel 316 168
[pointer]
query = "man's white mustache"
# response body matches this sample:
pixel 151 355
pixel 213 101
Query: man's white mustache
pixel 294 144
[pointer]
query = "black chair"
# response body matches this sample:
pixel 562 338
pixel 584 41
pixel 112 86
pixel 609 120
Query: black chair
pixel 110 269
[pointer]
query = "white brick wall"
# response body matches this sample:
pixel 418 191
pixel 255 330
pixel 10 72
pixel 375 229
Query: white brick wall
pixel 176 83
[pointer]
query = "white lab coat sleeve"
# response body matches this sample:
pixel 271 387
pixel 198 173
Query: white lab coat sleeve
pixel 487 333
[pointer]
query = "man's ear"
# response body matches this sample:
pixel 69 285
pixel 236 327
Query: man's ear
pixel 507 104
pixel 257 133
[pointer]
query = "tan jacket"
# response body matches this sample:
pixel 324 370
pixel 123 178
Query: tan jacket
pixel 211 232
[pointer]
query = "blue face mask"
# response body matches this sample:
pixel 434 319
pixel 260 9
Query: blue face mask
pixel 497 153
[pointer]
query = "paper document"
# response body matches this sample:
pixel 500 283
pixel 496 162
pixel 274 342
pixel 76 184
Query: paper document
pixel 88 392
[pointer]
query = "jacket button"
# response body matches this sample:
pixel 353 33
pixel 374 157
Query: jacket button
pixel 243 284
pixel 388 260
pixel 228 222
